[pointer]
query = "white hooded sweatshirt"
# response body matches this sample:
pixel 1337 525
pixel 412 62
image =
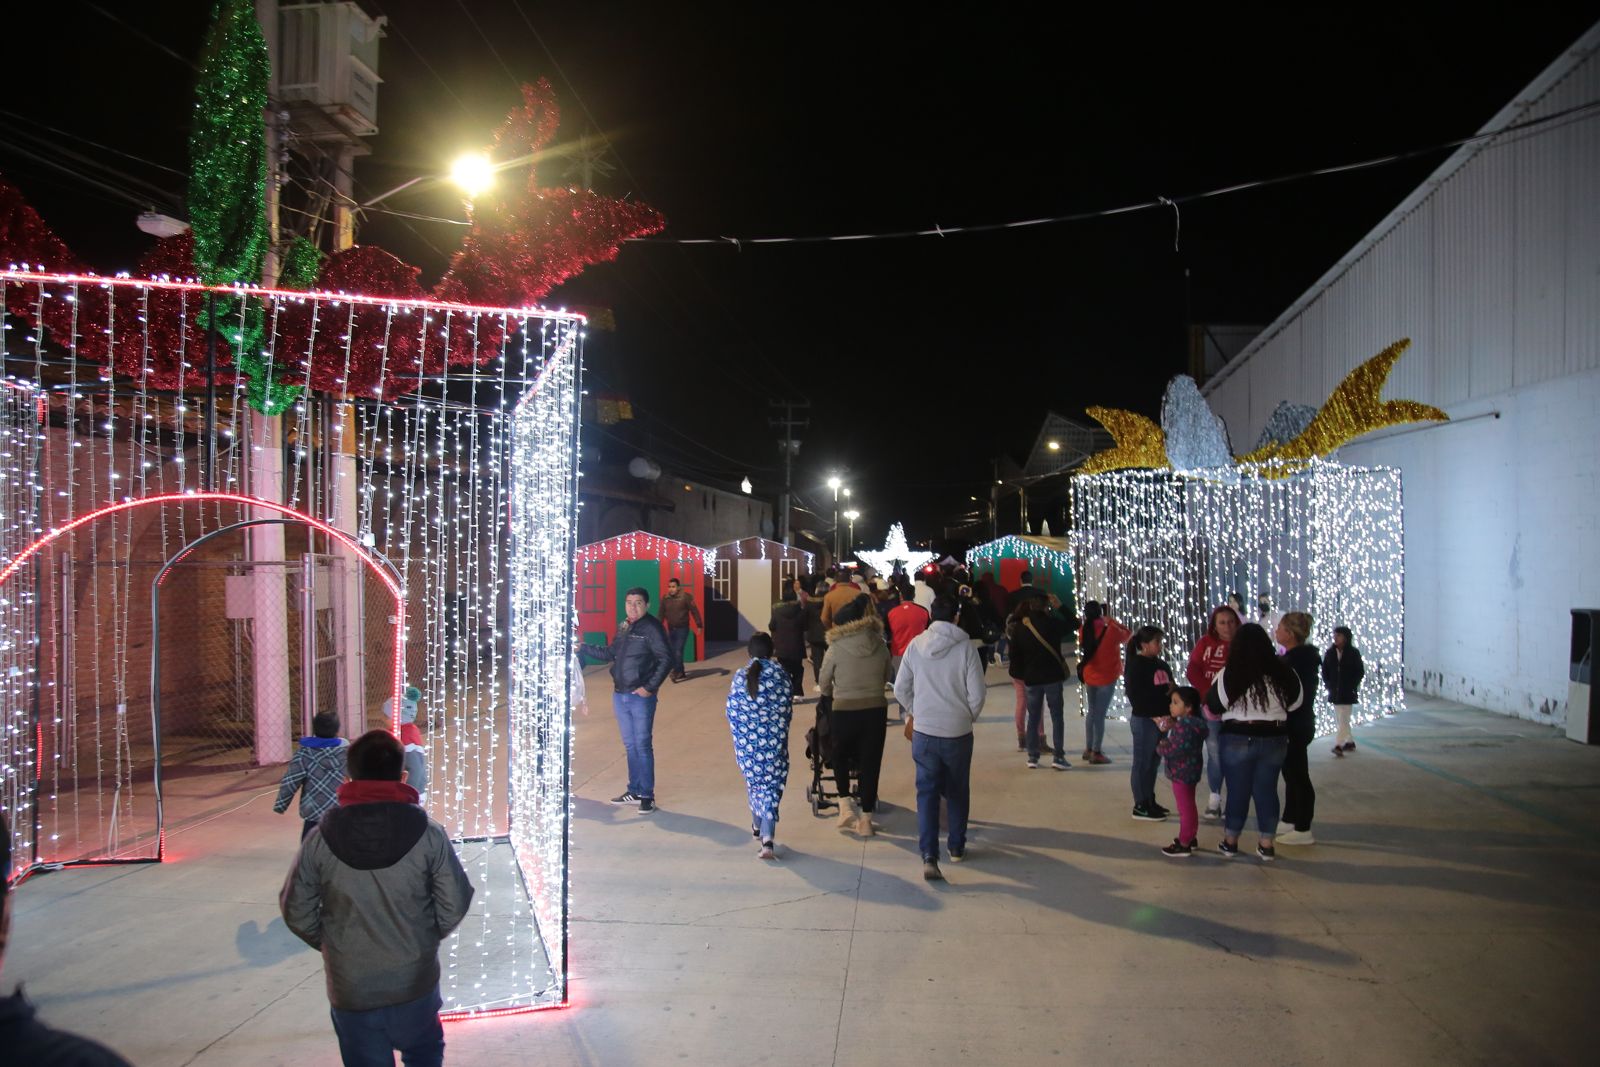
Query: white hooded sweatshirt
pixel 941 681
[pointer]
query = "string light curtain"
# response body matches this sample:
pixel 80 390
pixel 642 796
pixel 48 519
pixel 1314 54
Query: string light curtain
pixel 1164 547
pixel 84 424
pixel 544 506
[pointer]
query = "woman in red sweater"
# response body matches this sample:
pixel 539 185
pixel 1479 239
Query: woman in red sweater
pixel 1100 644
pixel 1209 654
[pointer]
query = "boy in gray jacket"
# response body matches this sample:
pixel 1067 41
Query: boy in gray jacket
pixel 941 688
pixel 376 887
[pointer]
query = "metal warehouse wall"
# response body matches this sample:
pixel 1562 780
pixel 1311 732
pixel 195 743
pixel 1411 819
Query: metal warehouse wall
pixel 1492 268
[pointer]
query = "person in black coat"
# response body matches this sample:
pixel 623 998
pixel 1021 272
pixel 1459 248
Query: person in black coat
pixel 788 629
pixel 1341 673
pixel 1299 798
pixel 816 633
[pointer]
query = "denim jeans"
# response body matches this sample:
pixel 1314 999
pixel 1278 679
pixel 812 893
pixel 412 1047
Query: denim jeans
pixel 1097 701
pixel 1146 762
pixel 1037 696
pixel 636 719
pixel 1214 755
pixel 1251 766
pixel 677 637
pixel 370 1038
pixel 944 769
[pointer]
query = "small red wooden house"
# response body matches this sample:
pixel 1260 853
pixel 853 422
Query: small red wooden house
pixel 607 569
pixel 746 579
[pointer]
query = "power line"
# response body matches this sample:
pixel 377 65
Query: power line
pixel 56 165
pixel 1143 205
pixel 93 144
pixel 145 37
pixel 393 28
pixel 490 44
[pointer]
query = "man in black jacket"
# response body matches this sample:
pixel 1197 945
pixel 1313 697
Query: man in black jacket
pixel 640 661
pixel 376 888
pixel 23 1038
pixel 788 629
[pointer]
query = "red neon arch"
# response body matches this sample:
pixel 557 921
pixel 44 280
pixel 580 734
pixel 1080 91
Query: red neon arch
pixel 389 580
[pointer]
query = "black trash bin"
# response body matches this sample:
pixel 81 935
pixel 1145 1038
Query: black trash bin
pixel 1583 698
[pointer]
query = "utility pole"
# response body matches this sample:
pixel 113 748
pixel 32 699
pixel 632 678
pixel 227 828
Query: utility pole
pixel 790 446
pixel 994 504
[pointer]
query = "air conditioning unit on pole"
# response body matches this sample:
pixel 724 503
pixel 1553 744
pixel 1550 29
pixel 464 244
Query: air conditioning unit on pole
pixel 328 68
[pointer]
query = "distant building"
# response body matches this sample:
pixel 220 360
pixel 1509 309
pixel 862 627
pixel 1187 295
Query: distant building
pixel 607 569
pixel 747 577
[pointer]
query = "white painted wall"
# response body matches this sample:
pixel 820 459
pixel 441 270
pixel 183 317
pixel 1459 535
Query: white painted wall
pixel 1492 267
pixel 1501 523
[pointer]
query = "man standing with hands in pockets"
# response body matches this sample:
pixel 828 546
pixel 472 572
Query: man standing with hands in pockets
pixel 640 662
pixel 941 688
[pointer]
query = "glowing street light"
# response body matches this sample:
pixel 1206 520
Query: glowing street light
pixel 745 486
pixel 473 173
pixel 836 483
pixel 851 516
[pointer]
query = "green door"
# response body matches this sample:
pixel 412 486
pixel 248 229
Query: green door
pixel 644 573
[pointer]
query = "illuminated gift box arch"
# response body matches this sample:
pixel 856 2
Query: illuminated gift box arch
pixel 473 438
pixel 1165 547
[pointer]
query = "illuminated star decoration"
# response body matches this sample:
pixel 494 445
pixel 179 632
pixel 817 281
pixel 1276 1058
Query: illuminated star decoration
pixel 896 554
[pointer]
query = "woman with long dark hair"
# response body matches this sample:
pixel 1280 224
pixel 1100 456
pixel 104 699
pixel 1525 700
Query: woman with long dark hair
pixel 1209 655
pixel 760 705
pixel 1254 694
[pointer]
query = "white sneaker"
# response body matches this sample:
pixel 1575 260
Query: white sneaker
pixel 1292 836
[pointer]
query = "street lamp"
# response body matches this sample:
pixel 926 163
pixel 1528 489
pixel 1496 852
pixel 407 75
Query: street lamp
pixel 851 516
pixel 835 483
pixel 473 172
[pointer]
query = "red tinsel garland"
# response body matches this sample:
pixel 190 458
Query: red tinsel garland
pixel 519 248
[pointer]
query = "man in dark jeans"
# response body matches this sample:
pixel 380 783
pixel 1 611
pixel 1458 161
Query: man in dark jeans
pixel 639 660
pixel 376 888
pixel 788 629
pixel 677 607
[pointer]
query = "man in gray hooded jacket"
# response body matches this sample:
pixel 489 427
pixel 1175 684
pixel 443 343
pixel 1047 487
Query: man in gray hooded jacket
pixel 941 688
pixel 376 887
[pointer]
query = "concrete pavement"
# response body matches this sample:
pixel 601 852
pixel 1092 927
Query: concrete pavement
pixel 1445 916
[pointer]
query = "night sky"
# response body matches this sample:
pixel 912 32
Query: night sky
pixel 923 359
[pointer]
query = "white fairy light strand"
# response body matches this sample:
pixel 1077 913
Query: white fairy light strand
pixel 1164 547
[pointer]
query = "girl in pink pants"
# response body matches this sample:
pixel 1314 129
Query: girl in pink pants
pixel 1182 742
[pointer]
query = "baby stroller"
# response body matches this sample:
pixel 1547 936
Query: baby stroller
pixel 819 750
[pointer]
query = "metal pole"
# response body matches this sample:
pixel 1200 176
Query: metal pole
pixel 308 640
pixel 836 557
pixel 210 450
pixel 38 751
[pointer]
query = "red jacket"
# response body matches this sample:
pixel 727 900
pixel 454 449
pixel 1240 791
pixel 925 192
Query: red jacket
pixel 1205 662
pixel 905 622
pixel 1105 666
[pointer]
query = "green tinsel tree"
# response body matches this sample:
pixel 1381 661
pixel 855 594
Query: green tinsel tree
pixel 228 185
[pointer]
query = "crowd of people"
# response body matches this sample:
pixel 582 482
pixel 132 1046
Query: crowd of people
pixel 1243 723
pixel 376 886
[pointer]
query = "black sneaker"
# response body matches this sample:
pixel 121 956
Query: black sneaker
pixel 1228 851
pixel 1157 809
pixel 958 857
pixel 1178 850
pixel 1146 815
pixel 931 872
pixel 626 798
pixel 647 805
pixel 1267 853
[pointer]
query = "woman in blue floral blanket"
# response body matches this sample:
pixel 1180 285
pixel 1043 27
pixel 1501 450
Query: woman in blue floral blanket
pixel 760 706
